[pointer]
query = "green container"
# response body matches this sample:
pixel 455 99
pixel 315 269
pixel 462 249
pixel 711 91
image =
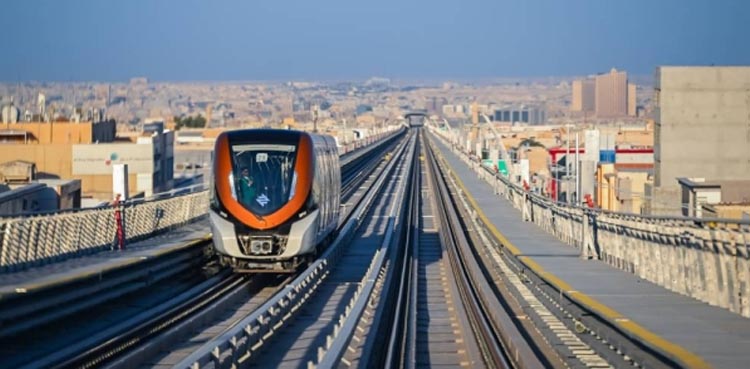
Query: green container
pixel 502 167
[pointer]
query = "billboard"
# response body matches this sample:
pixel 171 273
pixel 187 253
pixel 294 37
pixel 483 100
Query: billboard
pixel 99 158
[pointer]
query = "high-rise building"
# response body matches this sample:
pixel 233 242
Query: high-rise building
pixel 535 114
pixel 701 130
pixel 576 102
pixel 612 94
pixel 584 96
pixel 631 100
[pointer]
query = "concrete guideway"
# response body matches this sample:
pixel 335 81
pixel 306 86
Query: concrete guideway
pixel 689 331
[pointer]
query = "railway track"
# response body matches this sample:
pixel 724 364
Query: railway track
pixel 405 285
pixel 141 331
pixel 301 325
pixel 430 325
pixel 446 314
pixel 174 345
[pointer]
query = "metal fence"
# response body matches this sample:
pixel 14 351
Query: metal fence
pixel 40 239
pixel 707 259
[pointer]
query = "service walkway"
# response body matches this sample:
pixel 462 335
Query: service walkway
pixel 719 337
pixel 44 276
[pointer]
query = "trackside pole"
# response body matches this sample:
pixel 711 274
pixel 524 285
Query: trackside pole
pixel 118 224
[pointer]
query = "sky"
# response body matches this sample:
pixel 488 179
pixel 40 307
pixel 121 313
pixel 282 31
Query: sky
pixel 176 40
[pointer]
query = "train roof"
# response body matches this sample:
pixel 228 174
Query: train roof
pixel 276 135
pixel 265 133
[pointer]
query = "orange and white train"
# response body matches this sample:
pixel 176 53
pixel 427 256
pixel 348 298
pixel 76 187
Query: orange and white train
pixel 274 198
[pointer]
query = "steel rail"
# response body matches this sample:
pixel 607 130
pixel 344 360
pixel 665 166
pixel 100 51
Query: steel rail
pixel 397 353
pixel 331 353
pixel 362 164
pixel 605 337
pixel 160 320
pixel 86 353
pixel 496 350
pixel 235 344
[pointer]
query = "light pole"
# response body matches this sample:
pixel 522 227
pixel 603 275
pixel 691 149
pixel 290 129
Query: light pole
pixel 568 195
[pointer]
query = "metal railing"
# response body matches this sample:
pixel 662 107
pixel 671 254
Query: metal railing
pixel 707 259
pixel 35 240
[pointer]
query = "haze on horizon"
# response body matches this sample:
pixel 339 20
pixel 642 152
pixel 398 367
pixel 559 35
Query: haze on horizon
pixel 175 40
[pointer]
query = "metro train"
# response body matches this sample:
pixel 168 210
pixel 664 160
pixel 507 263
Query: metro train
pixel 274 198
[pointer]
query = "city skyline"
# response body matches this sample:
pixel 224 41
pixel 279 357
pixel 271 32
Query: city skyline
pixel 193 41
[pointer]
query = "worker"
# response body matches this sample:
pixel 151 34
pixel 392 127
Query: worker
pixel 247 187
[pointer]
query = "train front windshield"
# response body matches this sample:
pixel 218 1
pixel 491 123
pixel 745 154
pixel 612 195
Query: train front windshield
pixel 263 176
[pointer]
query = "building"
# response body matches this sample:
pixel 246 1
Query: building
pixel 614 180
pixel 68 192
pixel 27 198
pixel 150 163
pixel 719 197
pixel 11 114
pixel 632 103
pixel 727 211
pixel 17 171
pixel 21 191
pixel 584 96
pixel 86 151
pixel 58 132
pixel 532 114
pixel 607 95
pixel 701 130
pixel 621 189
pixel 611 94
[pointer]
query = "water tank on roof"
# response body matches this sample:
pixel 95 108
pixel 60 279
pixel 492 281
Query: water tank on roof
pixel 11 114
pixel 607 156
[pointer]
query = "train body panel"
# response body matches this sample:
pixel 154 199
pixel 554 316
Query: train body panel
pixel 274 197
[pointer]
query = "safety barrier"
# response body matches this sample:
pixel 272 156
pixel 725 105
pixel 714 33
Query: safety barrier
pixel 707 259
pixel 41 239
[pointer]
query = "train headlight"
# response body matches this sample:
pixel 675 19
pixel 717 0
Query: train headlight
pixel 261 246
pixel 231 186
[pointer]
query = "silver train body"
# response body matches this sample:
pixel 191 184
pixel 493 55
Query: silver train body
pixel 275 198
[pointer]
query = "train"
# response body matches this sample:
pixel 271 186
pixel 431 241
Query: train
pixel 275 198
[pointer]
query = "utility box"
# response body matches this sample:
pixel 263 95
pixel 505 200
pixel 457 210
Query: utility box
pixel 120 181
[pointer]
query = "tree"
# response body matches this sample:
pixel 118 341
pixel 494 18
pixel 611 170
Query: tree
pixel 190 122
pixel 530 142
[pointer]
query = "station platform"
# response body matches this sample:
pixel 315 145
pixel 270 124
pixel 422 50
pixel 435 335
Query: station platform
pixel 49 275
pixel 681 326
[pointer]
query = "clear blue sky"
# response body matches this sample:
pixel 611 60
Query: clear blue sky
pixel 85 40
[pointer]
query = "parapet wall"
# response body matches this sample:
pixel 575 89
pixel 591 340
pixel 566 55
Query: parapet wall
pixel 702 258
